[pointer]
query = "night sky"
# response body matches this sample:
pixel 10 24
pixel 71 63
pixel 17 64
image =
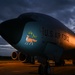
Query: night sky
pixel 63 10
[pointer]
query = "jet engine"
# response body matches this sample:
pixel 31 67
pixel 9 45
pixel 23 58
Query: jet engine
pixel 22 57
pixel 14 55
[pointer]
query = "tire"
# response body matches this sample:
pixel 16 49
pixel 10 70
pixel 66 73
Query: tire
pixel 60 63
pixel 47 70
pixel 44 69
pixel 41 70
pixel 73 62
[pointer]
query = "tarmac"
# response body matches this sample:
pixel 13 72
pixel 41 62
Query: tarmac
pixel 11 67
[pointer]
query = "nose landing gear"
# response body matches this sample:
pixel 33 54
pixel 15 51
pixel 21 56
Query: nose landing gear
pixel 44 69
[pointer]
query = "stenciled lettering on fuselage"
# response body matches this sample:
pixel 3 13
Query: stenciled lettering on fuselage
pixel 51 33
pixel 30 38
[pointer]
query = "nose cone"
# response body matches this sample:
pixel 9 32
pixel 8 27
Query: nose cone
pixel 11 30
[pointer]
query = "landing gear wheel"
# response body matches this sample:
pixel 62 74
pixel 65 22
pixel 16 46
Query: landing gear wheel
pixel 73 62
pixel 47 70
pixel 41 69
pixel 60 63
pixel 44 69
pixel 30 59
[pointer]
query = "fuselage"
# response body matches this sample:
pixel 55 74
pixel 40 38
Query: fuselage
pixel 38 34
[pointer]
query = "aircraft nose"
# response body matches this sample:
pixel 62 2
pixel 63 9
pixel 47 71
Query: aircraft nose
pixel 11 30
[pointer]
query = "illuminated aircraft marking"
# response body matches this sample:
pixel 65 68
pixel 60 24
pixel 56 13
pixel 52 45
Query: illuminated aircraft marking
pixel 54 34
pixel 30 31
pixel 29 40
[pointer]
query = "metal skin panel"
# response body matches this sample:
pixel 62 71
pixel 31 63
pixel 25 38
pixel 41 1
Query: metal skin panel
pixel 31 41
pixel 38 34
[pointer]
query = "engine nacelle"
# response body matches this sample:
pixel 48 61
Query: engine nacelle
pixel 22 57
pixel 14 55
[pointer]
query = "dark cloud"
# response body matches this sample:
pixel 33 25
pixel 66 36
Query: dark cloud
pixel 13 8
